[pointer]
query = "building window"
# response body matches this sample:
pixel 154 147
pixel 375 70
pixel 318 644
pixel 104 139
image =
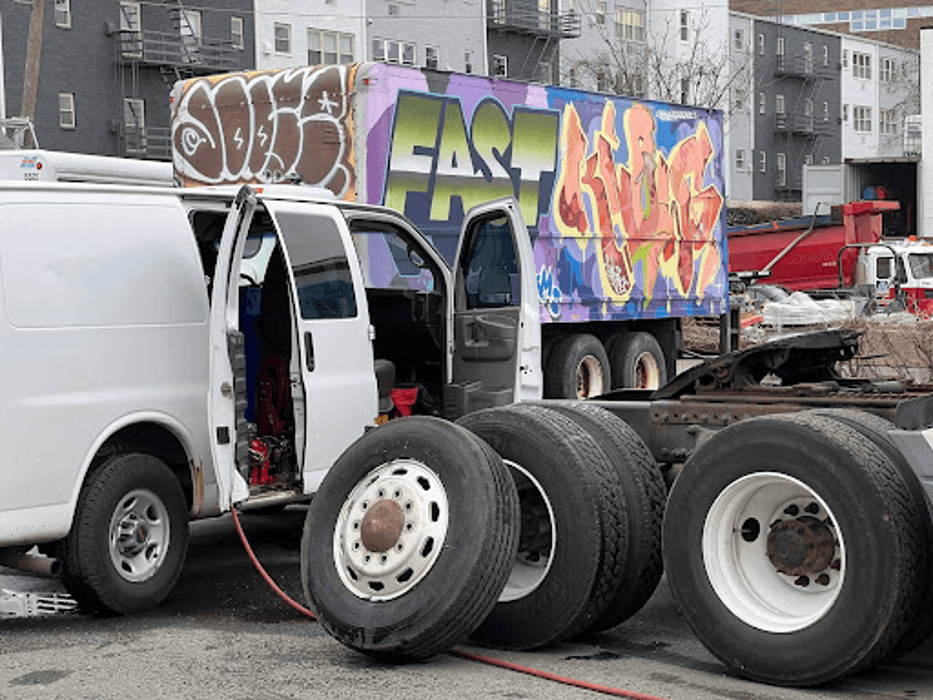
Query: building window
pixel 761 44
pixel 888 70
pixel 887 124
pixel 825 55
pixel 190 31
pixel 600 12
pixel 845 112
pixel 861 65
pixel 845 58
pixel 825 160
pixel 781 169
pixel 500 66
pixel 329 48
pixel 236 33
pixel 66 110
pixel 739 98
pixel 283 38
pixel 779 50
pixel 808 159
pixel 409 54
pixel 762 161
pixel 134 126
pixel 762 105
pixel 432 58
pixel 63 14
pixel 825 111
pixel 808 57
pixel 468 62
pixel 684 91
pixel 861 119
pixel 394 51
pixel 131 35
pixel 740 160
pixel 630 24
pixel 684 25
pixel 739 38
pixel 779 104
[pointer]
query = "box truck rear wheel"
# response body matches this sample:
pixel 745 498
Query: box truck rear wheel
pixel 127 545
pixel 577 368
pixel 790 546
pixel 409 540
pixel 572 549
pixel 637 362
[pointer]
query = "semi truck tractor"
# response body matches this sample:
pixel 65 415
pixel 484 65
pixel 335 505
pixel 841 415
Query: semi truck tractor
pixel 623 198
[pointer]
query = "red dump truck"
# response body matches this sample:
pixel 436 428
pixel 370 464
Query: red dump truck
pixel 837 253
pixel 623 198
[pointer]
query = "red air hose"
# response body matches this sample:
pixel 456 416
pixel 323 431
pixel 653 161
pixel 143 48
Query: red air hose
pixel 518 668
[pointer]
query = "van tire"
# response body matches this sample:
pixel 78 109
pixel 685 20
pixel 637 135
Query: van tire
pixel 578 368
pixel 637 362
pixel 561 583
pixel 836 487
pixel 445 556
pixel 108 572
pixel 644 493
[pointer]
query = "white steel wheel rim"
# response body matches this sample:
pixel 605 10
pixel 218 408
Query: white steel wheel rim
pixel 417 498
pixel 739 569
pixel 589 377
pixel 647 372
pixel 535 553
pixel 139 535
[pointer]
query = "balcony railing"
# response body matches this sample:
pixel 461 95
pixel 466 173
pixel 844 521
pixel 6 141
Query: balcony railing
pixel 797 123
pixel 149 143
pixel 530 19
pixel 198 54
pixel 800 66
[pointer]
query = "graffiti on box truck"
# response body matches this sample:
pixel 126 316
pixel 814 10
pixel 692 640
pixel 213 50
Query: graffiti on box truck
pixel 624 198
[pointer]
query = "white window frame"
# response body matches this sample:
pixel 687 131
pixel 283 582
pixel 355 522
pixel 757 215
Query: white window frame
pixel 237 33
pixel 861 119
pixel 189 28
pixel 132 23
pixel 845 112
pixel 630 24
pixel 825 111
pixel 779 46
pixel 888 72
pixel 500 66
pixel 861 65
pixel 781 167
pixel 740 160
pixel 887 122
pixel 808 57
pixel 601 9
pixel 468 60
pixel 318 40
pixel 282 38
pixel 825 55
pixel 761 44
pixel 779 104
pixel 845 58
pixel 762 161
pixel 738 38
pixel 684 25
pixel 432 57
pixel 739 98
pixel 63 14
pixel 67 115
pixel 762 104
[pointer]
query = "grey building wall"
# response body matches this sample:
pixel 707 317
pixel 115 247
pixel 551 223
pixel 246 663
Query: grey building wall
pixel 789 77
pixel 82 60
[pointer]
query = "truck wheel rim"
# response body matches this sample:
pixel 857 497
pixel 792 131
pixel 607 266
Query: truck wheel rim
pixel 757 554
pixel 537 541
pixel 647 372
pixel 139 535
pixel 391 530
pixel 589 377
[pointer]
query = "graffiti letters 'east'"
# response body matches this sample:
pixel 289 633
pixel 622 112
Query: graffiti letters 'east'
pixel 285 125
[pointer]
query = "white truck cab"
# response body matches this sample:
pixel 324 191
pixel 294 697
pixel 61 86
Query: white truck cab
pixel 169 353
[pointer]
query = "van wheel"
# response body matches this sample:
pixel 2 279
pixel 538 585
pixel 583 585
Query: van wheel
pixel 127 545
pixel 408 541
pixel 643 491
pixel 577 368
pixel 571 551
pixel 791 546
pixel 637 362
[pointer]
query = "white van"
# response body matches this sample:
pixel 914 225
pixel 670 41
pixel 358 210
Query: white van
pixel 150 375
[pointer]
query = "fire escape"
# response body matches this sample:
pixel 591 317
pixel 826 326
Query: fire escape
pixel 173 55
pixel 802 127
pixel 538 21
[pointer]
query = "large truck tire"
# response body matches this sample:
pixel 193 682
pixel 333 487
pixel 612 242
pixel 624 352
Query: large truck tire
pixel 876 428
pixel 791 545
pixel 572 548
pixel 577 368
pixel 127 544
pixel 636 361
pixel 644 494
pixel 409 540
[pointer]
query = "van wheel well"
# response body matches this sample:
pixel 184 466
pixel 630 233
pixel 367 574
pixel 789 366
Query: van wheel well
pixel 150 439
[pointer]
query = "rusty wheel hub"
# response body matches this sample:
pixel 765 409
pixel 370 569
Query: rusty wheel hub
pixel 801 546
pixel 382 526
